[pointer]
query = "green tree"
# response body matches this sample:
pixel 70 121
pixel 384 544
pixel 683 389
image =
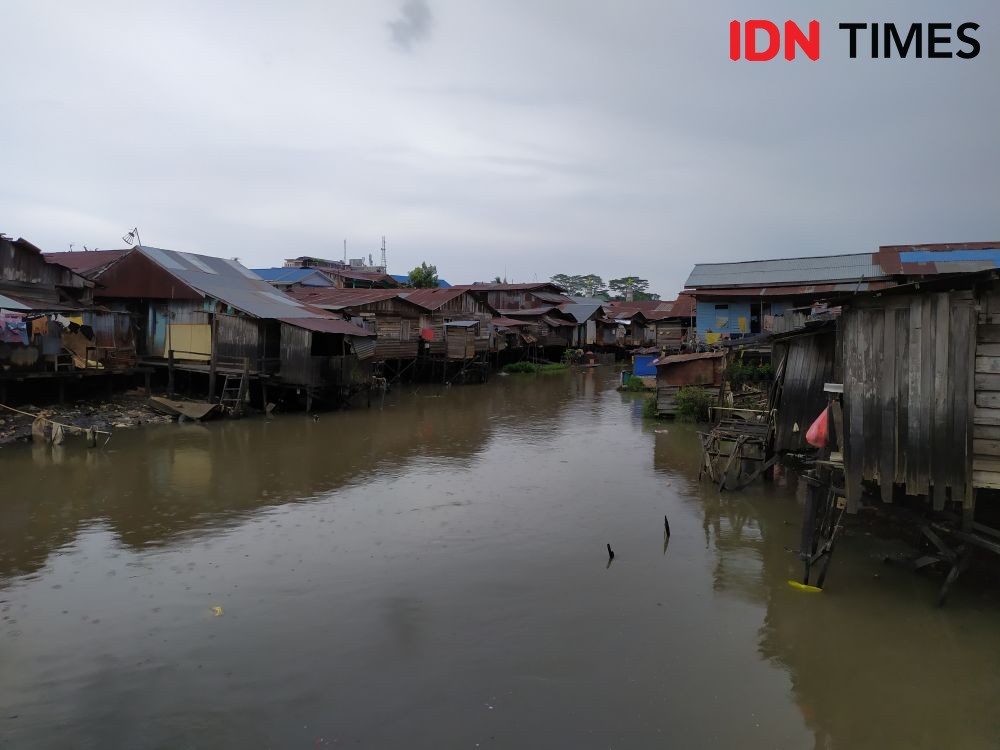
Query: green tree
pixel 631 288
pixel 586 285
pixel 424 276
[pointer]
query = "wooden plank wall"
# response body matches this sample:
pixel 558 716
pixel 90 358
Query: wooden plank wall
pixel 908 392
pixel 809 361
pixel 986 414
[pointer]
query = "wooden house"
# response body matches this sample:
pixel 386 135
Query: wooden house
pixel 671 322
pixel 509 297
pixel 585 316
pixel 456 323
pixel 395 321
pixel 920 371
pixel 675 371
pixel 49 326
pixel 205 314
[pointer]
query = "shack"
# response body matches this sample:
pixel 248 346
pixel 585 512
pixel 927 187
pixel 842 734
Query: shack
pixel 675 371
pixel 509 297
pixel 200 314
pixel 454 313
pixel 50 329
pixel 395 321
pixel 803 361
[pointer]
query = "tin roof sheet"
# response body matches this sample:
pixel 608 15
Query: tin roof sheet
pixel 431 299
pixel 85 262
pixel 327 325
pixel 227 281
pixel 581 311
pixel 822 268
pixel 282 275
pixel 339 299
pixel 675 358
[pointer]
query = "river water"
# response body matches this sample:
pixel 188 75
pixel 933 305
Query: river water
pixel 433 574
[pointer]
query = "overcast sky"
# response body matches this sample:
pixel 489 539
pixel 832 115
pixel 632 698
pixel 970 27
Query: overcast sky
pixel 517 137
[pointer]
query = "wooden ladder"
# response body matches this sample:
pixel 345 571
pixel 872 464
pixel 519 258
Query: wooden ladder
pixel 232 395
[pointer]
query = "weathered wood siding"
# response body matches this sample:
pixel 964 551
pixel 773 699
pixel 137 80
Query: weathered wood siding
pixel 296 356
pixel 461 342
pixel 986 413
pixel 239 337
pixel 908 364
pixel 668 334
pixel 808 363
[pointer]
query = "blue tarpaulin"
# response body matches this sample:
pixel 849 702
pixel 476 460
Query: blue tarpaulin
pixel 642 365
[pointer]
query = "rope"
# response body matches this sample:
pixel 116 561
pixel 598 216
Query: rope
pixel 71 427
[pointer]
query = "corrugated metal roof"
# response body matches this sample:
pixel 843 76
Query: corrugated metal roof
pixel 581 311
pixel 850 287
pixel 403 278
pixel 431 299
pixel 282 275
pixel 85 262
pixel 823 268
pixel 327 325
pixel 461 323
pixel 508 322
pixel 555 299
pixel 491 287
pixel 530 313
pixel 339 299
pixel 227 281
pixel 675 358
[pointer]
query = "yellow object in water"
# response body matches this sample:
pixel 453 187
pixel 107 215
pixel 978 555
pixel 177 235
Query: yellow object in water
pixel 804 587
pixel 217 611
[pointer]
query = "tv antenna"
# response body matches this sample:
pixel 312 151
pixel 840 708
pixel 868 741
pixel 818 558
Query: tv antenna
pixel 132 238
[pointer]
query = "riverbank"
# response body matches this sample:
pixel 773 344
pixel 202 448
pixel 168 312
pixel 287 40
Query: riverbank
pixel 129 409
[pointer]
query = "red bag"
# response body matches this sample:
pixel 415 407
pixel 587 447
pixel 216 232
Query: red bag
pixel 819 432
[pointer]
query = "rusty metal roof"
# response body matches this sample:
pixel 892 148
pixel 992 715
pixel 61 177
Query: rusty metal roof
pixel 676 358
pixel 508 322
pixel 790 291
pixel 327 325
pixel 431 298
pixel 339 299
pixel 86 262
pixel 533 312
pixel 490 287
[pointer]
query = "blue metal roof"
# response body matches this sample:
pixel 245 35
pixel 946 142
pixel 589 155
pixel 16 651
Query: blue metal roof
pixel 947 256
pixel 403 278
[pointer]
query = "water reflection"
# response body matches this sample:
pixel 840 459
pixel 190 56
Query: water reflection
pixel 872 663
pixel 435 574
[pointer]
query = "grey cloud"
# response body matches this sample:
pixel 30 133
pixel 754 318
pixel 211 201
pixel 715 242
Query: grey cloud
pixel 413 25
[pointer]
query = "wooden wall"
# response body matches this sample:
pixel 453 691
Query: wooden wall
pixel 986 414
pixel 908 364
pixel 807 362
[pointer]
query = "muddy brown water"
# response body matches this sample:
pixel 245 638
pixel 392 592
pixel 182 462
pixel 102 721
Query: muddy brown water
pixel 433 575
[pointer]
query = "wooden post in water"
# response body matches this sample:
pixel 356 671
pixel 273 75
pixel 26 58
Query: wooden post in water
pixel 170 373
pixel 211 363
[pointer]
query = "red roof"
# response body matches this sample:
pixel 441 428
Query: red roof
pixel 432 299
pixel 85 261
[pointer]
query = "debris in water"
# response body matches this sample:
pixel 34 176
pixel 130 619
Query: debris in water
pixel 217 611
pixel 611 554
pixel 666 526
